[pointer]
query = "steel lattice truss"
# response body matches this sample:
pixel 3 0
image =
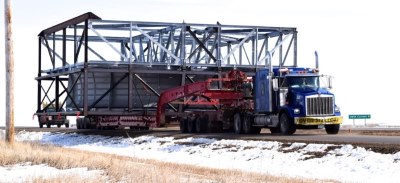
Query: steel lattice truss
pixel 89 44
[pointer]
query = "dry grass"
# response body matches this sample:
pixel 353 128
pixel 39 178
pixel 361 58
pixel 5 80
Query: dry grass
pixel 69 179
pixel 125 169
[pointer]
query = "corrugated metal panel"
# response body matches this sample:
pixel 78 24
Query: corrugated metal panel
pixel 99 83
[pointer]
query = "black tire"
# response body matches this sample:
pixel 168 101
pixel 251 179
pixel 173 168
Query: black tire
pixel 58 125
pixel 287 125
pixel 183 125
pixel 66 125
pixel 191 125
pixel 86 122
pixel 78 123
pixel 201 124
pixel 332 129
pixel 48 125
pixel 237 123
pixel 247 125
pixel 40 125
pixel 275 130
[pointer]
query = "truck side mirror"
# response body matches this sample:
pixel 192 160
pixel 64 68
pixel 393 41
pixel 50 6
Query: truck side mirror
pixel 330 82
pixel 275 85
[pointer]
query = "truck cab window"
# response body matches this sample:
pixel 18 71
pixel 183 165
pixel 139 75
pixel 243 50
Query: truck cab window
pixel 302 82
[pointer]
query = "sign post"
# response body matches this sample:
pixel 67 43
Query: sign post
pixel 360 116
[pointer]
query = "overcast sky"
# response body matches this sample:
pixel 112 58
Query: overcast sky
pixel 357 41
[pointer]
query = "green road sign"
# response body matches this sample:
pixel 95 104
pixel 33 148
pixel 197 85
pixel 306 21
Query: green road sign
pixel 360 116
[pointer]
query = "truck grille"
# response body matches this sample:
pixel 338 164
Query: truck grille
pixel 319 105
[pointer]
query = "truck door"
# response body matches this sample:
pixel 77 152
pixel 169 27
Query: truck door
pixel 262 91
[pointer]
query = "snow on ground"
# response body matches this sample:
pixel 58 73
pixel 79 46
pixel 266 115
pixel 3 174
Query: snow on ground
pixel 27 172
pixel 323 161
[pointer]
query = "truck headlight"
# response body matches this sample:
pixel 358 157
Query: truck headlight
pixel 296 111
pixel 337 109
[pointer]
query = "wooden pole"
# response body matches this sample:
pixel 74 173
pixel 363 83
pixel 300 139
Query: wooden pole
pixel 9 73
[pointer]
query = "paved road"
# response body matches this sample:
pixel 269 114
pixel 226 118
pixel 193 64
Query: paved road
pixel 355 136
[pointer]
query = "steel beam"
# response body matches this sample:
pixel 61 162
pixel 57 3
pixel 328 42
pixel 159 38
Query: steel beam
pixel 201 44
pixel 69 92
pixel 85 70
pixel 39 82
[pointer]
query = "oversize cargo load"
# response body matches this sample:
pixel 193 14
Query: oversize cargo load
pixel 110 73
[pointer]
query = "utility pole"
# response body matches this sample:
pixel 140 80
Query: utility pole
pixel 9 73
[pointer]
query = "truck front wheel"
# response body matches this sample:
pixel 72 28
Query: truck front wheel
pixel 332 129
pixel 286 124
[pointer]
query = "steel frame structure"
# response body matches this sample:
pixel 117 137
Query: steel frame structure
pixel 133 48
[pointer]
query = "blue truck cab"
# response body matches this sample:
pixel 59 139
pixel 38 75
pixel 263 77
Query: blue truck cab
pixel 289 98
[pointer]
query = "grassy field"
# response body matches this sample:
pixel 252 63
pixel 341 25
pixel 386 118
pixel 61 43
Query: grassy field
pixel 125 169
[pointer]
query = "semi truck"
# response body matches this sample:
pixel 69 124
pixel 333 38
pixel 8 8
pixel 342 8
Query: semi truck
pixel 112 74
pixel 282 99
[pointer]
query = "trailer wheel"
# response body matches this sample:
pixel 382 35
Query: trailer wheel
pixel 237 123
pixel 287 125
pixel 247 124
pixel 78 123
pixel 58 125
pixel 67 125
pixel 191 124
pixel 48 125
pixel 183 125
pixel 201 124
pixel 332 129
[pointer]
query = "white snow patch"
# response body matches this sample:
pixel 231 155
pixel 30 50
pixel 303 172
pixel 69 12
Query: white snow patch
pixel 27 172
pixel 322 161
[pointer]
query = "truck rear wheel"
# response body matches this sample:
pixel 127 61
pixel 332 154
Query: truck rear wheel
pixel 332 129
pixel 58 125
pixel 237 123
pixel 287 125
pixel 48 125
pixel 40 125
pixel 247 124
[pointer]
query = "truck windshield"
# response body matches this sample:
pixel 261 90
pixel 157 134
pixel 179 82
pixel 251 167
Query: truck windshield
pixel 303 82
